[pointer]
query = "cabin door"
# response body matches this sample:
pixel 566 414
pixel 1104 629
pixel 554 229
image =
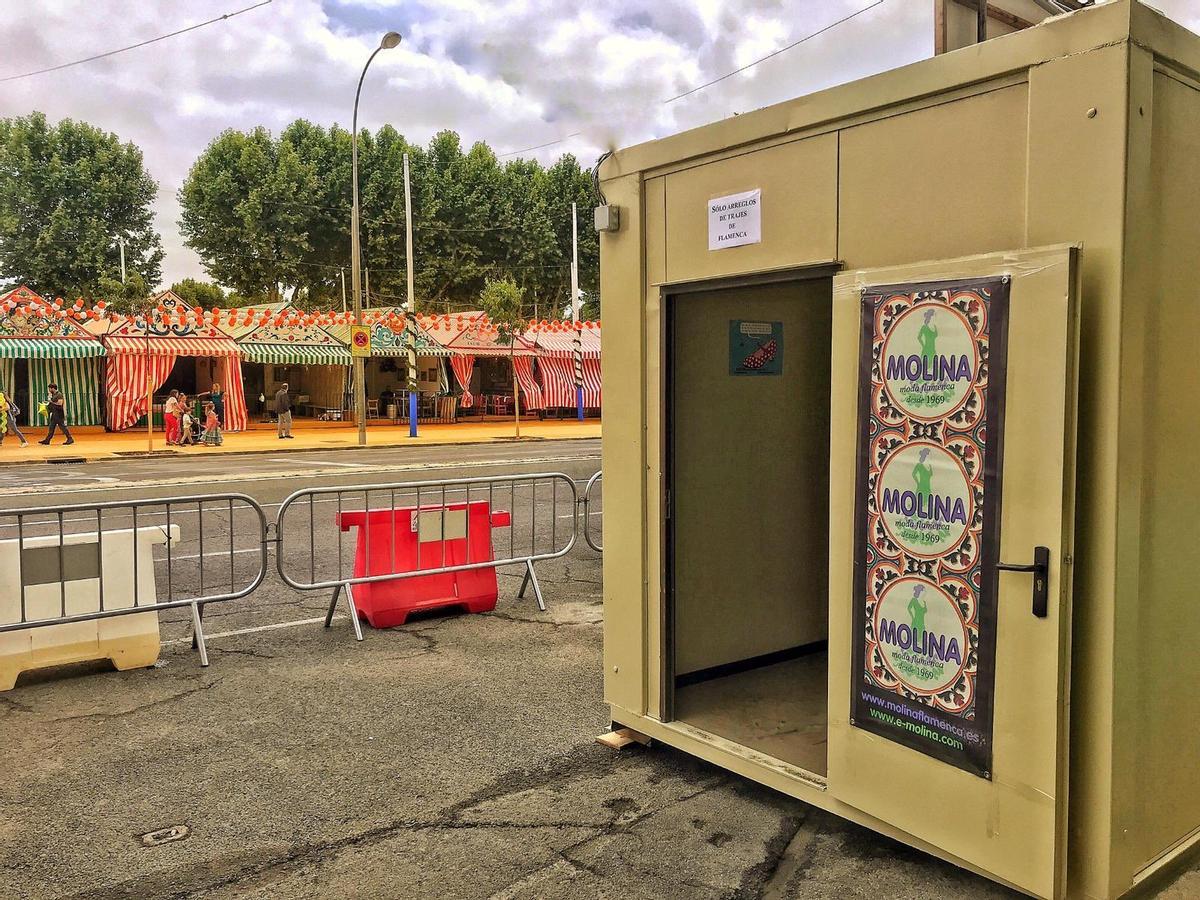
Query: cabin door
pixel 952 467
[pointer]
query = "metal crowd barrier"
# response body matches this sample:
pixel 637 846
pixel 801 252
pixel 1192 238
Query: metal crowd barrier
pixel 194 550
pixel 186 547
pixel 533 534
pixel 593 487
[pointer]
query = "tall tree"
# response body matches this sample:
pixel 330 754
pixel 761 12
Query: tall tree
pixel 263 212
pixel 241 215
pixel 199 293
pixel 503 301
pixel 568 184
pixel 67 193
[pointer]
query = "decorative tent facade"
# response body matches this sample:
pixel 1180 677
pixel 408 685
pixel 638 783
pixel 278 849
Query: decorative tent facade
pixel 468 336
pixel 292 349
pixel 58 350
pixel 387 367
pixel 555 343
pixel 142 354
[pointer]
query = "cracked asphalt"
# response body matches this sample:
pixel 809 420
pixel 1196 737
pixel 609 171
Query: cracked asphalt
pixel 450 757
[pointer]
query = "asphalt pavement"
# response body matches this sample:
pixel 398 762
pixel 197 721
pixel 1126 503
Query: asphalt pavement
pixel 450 757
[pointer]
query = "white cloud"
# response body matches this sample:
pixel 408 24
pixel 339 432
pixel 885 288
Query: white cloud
pixel 512 72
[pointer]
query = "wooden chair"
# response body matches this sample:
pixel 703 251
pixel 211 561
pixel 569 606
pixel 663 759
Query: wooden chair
pixel 372 409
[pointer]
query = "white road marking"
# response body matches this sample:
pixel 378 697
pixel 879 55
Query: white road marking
pixel 176 558
pixel 255 630
pixel 314 462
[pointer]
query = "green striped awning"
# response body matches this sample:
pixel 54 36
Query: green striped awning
pixel 49 348
pixel 295 354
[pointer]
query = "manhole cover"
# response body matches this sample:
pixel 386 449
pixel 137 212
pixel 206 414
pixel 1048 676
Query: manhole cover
pixel 66 460
pixel 165 835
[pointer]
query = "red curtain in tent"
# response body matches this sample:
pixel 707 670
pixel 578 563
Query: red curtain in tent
pixel 463 366
pixel 532 394
pixel 236 416
pixel 591 382
pixel 125 385
pixel 558 381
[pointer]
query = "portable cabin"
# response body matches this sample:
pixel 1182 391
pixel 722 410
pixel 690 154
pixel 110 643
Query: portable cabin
pixel 903 409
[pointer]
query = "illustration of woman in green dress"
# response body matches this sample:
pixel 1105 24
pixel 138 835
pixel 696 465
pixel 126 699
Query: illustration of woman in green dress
pixel 927 338
pixel 916 612
pixel 922 474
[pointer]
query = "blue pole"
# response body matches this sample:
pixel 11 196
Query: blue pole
pixel 579 401
pixel 412 413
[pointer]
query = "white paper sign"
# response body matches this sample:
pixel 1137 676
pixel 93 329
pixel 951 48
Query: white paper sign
pixel 735 220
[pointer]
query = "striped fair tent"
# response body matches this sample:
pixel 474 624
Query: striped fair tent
pixel 466 336
pixel 293 345
pixel 388 336
pixel 283 340
pixel 137 351
pixel 555 342
pixel 59 351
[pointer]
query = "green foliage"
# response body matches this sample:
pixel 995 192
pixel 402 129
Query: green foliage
pixel 240 211
pixel 67 191
pixel 199 293
pixel 128 298
pixel 503 301
pixel 270 214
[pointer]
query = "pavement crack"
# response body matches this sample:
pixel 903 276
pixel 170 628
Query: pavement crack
pixel 429 644
pixel 760 876
pixel 548 622
pixel 243 651
pixel 15 705
pixel 141 707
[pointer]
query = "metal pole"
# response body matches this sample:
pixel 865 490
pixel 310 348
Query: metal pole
pixel 343 274
pixel 360 387
pixel 411 307
pixel 149 392
pixel 121 242
pixel 367 287
pixel 575 312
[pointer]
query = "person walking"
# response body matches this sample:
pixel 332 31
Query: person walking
pixel 56 409
pixel 171 417
pixel 8 418
pixel 283 412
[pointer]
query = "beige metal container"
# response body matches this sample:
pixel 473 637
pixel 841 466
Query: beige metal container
pixel 1057 170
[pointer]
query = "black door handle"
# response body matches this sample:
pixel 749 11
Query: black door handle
pixel 1040 567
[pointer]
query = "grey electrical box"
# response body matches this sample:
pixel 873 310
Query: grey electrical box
pixel 608 218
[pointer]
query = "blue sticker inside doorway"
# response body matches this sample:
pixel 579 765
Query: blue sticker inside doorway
pixel 755 348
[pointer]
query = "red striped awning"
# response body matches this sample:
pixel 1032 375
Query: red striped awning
pixel 158 345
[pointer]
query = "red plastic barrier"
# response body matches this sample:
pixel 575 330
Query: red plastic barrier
pixel 387 542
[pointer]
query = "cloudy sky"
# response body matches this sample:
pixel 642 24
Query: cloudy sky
pixel 515 73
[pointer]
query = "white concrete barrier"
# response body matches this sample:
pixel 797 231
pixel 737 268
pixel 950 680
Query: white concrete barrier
pixel 79 574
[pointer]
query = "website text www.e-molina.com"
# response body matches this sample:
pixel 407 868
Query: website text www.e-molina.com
pixel 900 716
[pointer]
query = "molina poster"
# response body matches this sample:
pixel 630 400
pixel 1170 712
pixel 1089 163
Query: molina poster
pixel 931 418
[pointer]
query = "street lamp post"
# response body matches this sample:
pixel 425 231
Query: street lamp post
pixel 390 40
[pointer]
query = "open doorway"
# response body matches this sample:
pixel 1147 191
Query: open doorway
pixel 748 511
